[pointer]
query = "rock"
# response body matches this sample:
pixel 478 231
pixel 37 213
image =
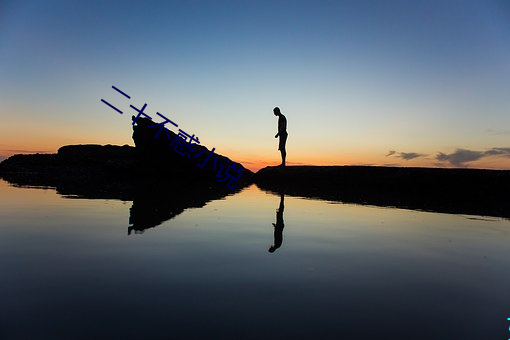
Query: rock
pixel 460 191
pixel 158 152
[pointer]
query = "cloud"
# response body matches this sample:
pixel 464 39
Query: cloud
pixel 498 132
pixel 27 151
pixel 498 152
pixel 460 157
pixel 405 155
pixel 410 155
pixel 296 163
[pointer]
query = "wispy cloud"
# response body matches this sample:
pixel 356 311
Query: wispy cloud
pixel 498 132
pixel 498 152
pixel 405 155
pixel 26 151
pixel 296 163
pixel 410 155
pixel 6 153
pixel 364 164
pixel 460 157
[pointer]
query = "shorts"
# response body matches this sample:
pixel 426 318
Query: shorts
pixel 283 140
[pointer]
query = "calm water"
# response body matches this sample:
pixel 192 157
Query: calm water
pixel 70 270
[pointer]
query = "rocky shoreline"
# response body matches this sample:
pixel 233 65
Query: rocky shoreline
pixel 459 191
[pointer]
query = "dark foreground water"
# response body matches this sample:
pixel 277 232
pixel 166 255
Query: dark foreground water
pixel 69 270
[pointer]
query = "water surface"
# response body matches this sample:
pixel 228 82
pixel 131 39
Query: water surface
pixel 70 270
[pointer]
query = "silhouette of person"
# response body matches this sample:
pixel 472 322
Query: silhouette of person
pixel 282 133
pixel 278 227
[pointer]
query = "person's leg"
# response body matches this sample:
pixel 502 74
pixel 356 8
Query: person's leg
pixel 282 149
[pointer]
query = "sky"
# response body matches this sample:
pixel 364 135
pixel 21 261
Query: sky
pixel 361 82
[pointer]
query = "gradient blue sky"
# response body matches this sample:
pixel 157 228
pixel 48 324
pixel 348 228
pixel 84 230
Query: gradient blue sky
pixel 400 82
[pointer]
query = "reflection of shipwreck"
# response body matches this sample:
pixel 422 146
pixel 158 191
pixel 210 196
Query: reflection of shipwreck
pixel 159 202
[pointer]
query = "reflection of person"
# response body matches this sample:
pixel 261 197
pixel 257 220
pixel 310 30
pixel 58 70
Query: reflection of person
pixel 282 133
pixel 278 227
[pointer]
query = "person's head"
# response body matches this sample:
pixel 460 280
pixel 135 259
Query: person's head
pixel 276 111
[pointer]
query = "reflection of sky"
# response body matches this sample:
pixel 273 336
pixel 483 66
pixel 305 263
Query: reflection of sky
pixel 208 272
pixel 355 78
